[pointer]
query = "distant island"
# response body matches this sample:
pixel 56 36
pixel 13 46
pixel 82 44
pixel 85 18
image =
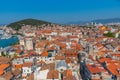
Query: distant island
pixel 103 21
pixel 33 22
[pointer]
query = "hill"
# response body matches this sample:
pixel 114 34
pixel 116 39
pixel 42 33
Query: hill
pixel 103 21
pixel 33 22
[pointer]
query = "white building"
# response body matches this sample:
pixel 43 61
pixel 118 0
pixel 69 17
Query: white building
pixel 29 34
pixel 47 60
pixel 22 42
pixel 28 44
pixel 40 74
pixel 27 69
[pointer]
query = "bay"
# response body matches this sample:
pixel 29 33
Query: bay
pixel 7 42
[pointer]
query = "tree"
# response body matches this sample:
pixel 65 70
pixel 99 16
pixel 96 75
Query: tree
pixel 33 22
pixel 15 55
pixel 2 53
pixel 109 34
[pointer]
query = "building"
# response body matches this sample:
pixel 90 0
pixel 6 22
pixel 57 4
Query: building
pixel 28 44
pixel 27 69
pixel 61 66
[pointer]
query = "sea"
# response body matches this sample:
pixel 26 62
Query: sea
pixel 7 42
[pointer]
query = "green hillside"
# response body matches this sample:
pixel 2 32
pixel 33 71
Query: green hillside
pixel 33 22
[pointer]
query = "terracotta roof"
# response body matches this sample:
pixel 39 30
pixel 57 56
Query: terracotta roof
pixel 51 48
pixel 68 60
pixel 3 67
pixel 1 72
pixel 50 66
pixel 31 53
pixel 61 39
pixel 45 54
pixel 4 60
pixel 73 36
pixel 40 44
pixel 18 51
pixel 71 53
pixel 44 67
pixel 67 75
pixel 7 76
pixel 16 72
pixel 106 51
pixel 59 57
pixel 47 31
pixel 113 69
pixel 31 77
pixel 118 55
pixel 105 60
pixel 76 46
pixel 28 64
pixel 119 48
pixel 100 46
pixel 70 78
pixel 93 68
pixel 53 74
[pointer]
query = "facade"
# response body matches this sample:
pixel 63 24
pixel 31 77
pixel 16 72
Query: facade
pixel 22 42
pixel 27 69
pixel 28 44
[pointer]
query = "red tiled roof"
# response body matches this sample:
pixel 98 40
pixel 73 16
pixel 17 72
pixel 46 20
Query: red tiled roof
pixel 113 68
pixel 59 57
pixel 7 76
pixel 68 60
pixel 18 66
pixel 105 60
pixel 51 48
pixel 67 75
pixel 3 66
pixel 28 64
pixel 18 51
pixel 53 74
pixel 1 72
pixel 118 55
pixel 93 68
pixel 119 48
pixel 62 45
pixel 45 54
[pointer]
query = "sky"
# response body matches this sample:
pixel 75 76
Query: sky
pixel 58 11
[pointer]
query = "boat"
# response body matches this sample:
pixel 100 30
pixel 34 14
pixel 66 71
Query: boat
pixel 5 36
